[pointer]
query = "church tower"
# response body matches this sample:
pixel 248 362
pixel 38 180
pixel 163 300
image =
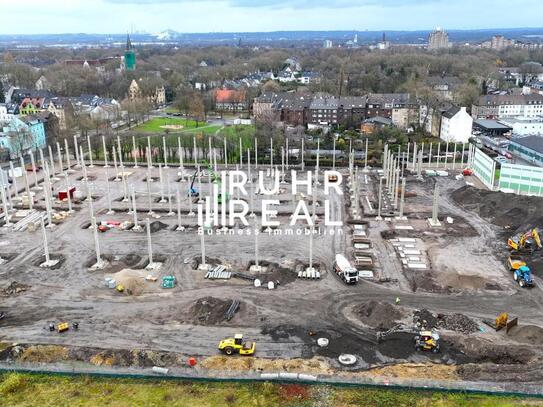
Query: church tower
pixel 129 55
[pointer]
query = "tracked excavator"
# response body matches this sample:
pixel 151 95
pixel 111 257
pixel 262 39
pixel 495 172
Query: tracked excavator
pixel 526 242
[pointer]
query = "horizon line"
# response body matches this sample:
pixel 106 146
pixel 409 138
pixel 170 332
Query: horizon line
pixel 276 31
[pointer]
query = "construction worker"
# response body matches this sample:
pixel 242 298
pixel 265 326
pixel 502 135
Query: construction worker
pixel 397 300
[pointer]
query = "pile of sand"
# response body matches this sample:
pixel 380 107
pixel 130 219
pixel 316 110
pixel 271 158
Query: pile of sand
pixel 314 365
pixel 45 354
pixel 413 371
pixel 172 127
pixel 133 281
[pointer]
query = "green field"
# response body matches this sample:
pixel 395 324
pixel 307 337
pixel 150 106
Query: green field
pixel 43 391
pixel 156 124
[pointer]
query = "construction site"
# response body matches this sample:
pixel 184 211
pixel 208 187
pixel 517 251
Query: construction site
pixel 424 274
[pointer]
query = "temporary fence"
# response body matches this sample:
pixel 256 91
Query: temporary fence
pixel 203 375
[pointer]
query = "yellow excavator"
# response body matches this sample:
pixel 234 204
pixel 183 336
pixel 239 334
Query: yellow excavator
pixel 525 242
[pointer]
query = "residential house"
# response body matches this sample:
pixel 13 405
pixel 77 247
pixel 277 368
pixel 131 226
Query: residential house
pixel 295 108
pixel 62 108
pixel 42 83
pixel 27 107
pixel 323 110
pixel 5 115
pixel 308 77
pixel 396 106
pixel 105 113
pixel 230 100
pixel 352 110
pixel 37 97
pixel 444 86
pixel 371 125
pixel 85 103
pixel 508 106
pixel 293 64
pixel 523 126
pixel 134 91
pixel 456 125
pixel 286 76
pixel 158 98
pixel 21 134
pixel 267 106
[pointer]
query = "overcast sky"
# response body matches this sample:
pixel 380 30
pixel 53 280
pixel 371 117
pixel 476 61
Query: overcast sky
pixel 119 16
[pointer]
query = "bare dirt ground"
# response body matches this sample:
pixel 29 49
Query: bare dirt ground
pixel 465 276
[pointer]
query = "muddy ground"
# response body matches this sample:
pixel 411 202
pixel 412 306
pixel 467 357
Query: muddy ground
pixel 466 281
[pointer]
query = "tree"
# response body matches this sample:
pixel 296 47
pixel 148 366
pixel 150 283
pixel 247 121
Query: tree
pixel 271 86
pixel 196 108
pixel 21 140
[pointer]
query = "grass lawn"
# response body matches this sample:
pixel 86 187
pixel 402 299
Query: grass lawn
pixel 40 390
pixel 156 124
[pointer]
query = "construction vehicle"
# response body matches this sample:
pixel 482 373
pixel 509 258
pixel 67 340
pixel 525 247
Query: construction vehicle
pixel 236 345
pixel 400 328
pixel 193 192
pixel 525 242
pixel 502 321
pixel 344 270
pixel 63 327
pixel 521 272
pixel 427 341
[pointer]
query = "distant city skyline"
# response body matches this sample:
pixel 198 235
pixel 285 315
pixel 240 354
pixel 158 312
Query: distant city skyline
pixel 153 16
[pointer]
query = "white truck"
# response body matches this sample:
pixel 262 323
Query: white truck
pixel 344 270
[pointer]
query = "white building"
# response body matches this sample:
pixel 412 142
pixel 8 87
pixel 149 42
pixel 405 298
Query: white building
pixel 456 125
pixel 4 115
pixel 523 126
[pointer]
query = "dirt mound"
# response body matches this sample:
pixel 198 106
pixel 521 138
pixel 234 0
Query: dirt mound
pixel 413 371
pixel 379 315
pixel 14 288
pixel 133 281
pixel 452 322
pixel 530 334
pixel 210 311
pixel 44 354
pixel 157 226
pixel 500 208
pixel 479 350
pixel 313 365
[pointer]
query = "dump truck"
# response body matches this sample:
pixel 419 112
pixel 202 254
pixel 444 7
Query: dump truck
pixel 345 270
